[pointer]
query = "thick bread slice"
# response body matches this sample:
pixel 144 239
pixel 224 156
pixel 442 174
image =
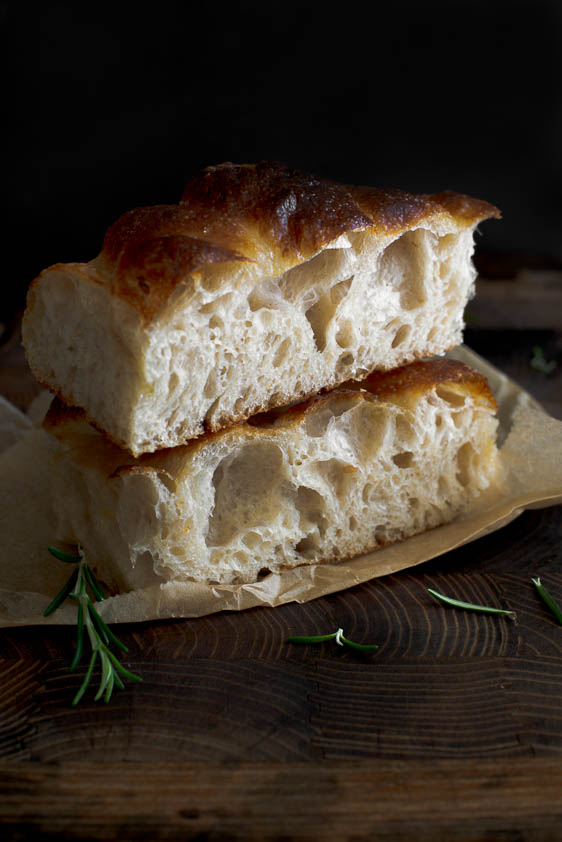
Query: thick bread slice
pixel 262 287
pixel 341 474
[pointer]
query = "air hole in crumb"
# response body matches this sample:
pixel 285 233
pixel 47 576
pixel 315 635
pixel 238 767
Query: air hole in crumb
pixel 245 484
pixel 464 459
pixel 438 420
pixel 251 540
pixel 401 335
pixel 352 523
pixel 404 430
pixel 311 507
pixel 459 418
pixel 321 313
pixel 281 353
pixel 263 572
pixel 211 385
pixel 344 335
pixel 445 268
pixel 404 266
pixel 306 545
pixel 450 396
pixel 340 475
pixel 381 535
pixel 215 323
pixel 221 301
pixel 404 459
pixel 265 296
pixel 345 361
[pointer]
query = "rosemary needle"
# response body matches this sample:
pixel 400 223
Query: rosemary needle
pixel 539 362
pixel 80 585
pixel 467 606
pixel 338 637
pixel 548 599
pixel 62 556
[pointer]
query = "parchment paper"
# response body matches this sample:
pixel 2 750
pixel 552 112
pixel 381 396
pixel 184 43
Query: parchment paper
pixel 531 477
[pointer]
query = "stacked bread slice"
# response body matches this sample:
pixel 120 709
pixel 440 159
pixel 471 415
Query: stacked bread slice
pixel 237 382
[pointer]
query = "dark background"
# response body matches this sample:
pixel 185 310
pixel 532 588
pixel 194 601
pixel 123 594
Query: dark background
pixel 110 106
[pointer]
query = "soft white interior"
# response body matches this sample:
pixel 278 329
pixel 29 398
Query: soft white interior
pixel 88 346
pixel 355 474
pixel 221 354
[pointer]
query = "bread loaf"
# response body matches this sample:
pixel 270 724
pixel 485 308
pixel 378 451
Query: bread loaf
pixel 344 473
pixel 261 287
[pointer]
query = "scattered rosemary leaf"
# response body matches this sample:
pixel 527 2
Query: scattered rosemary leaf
pixel 80 587
pixel 318 638
pixel 62 594
pixel 539 363
pixel 467 606
pixel 62 556
pixel 548 599
pixel 360 647
pixel 339 638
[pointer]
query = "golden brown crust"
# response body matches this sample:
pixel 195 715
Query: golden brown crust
pixel 394 210
pixel 243 213
pixel 424 376
pixel 294 212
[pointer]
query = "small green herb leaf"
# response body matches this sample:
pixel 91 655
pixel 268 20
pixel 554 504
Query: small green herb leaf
pixel 539 363
pixel 62 594
pixel 86 681
pixel 62 556
pixel 360 647
pixel 548 599
pixel 79 638
pixel 467 606
pixel 95 586
pixel 338 637
pixel 318 638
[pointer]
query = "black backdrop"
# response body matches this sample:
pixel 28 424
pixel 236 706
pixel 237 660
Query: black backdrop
pixel 110 106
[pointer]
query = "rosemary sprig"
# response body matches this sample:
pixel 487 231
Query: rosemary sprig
pixel 338 637
pixel 548 599
pixel 81 582
pixel 539 362
pixel 467 606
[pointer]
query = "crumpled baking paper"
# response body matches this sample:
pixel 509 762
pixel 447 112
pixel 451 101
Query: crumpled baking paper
pixel 531 477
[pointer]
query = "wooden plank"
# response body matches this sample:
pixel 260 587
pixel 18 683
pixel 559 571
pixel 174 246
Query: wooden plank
pixel 447 800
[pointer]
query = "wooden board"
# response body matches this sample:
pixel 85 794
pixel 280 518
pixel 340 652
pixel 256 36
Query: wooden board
pixel 452 730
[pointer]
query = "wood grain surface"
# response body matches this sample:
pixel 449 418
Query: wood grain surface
pixel 452 730
pixel 493 801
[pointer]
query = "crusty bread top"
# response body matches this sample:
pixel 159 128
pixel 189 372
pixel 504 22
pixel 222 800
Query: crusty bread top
pixel 265 214
pixel 421 377
pixel 404 385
